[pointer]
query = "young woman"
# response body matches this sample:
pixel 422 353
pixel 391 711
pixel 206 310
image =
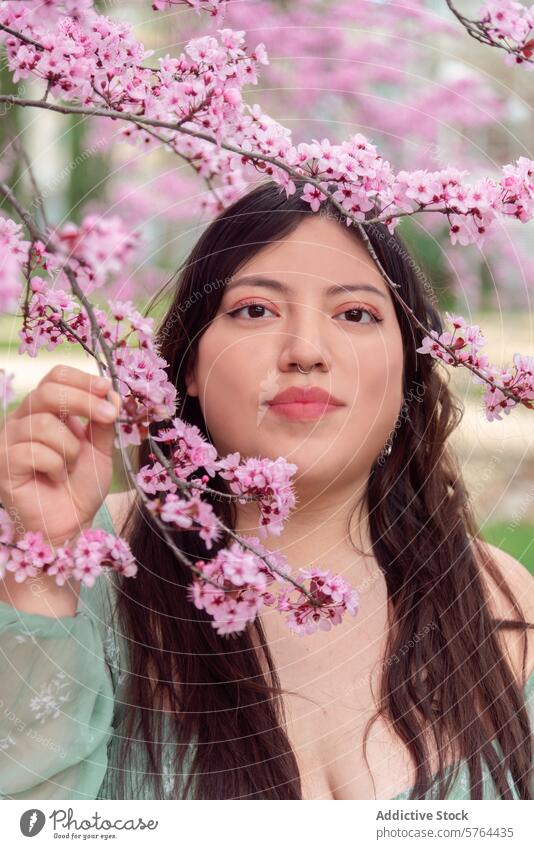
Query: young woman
pixel 128 691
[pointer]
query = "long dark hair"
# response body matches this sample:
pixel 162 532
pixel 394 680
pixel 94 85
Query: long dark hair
pixel 455 683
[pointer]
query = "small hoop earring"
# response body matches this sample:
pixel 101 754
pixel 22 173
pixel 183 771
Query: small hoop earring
pixel 384 454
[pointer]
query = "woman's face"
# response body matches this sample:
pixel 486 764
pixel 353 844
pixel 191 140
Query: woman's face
pixel 348 339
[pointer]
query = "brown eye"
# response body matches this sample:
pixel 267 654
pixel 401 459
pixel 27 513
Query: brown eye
pixel 356 314
pixel 254 306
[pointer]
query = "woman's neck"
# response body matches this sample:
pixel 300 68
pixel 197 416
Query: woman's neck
pixel 316 534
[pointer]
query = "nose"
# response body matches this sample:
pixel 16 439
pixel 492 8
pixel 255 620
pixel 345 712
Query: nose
pixel 305 346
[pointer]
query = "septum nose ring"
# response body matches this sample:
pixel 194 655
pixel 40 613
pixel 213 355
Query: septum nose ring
pixel 302 372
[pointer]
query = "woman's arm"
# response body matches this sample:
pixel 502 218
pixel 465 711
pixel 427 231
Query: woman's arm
pixel 56 706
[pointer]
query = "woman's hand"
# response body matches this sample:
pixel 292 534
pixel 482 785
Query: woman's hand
pixel 55 471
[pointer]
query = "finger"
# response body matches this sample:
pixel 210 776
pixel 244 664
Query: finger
pixel 102 436
pixel 48 430
pixel 65 376
pixel 70 376
pixel 29 458
pixel 64 401
pixel 76 426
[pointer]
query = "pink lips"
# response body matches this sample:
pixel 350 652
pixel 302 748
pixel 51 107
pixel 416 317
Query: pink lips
pixel 298 403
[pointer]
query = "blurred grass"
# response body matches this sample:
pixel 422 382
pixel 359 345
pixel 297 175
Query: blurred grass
pixel 517 541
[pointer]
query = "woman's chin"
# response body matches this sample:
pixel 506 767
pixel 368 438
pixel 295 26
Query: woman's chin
pixel 312 456
pixel 316 475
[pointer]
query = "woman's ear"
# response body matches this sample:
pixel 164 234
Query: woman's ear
pixel 190 381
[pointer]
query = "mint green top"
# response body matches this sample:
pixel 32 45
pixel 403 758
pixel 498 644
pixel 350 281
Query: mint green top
pixel 60 705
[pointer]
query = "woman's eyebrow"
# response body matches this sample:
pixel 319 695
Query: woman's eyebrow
pixel 277 286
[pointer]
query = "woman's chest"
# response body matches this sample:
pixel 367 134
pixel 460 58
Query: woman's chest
pixel 331 682
pixel 326 731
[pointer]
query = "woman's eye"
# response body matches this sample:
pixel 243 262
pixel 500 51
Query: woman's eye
pixel 257 310
pixel 356 314
pixel 255 307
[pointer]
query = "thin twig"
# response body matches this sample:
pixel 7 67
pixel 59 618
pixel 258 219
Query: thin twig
pixel 21 37
pixel 19 147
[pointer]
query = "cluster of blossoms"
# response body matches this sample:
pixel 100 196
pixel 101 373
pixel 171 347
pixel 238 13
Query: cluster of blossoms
pixel 509 24
pixel 238 577
pixel 14 252
pixel 196 101
pixel 53 316
pixel 93 551
pixel 244 584
pixel 238 585
pixel 96 62
pixel 188 514
pixel 267 481
pixel 360 180
pixel 260 479
pixel 216 8
pixel 334 597
pixel 96 249
pixel 465 342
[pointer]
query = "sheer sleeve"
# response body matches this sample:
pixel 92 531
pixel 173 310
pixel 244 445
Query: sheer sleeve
pixel 57 684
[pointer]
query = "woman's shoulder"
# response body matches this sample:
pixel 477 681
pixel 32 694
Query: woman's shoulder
pixel 516 576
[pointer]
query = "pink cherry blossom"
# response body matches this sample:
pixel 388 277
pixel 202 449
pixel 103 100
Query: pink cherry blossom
pixel 242 579
pixel 155 478
pixel 268 481
pixel 93 551
pixel 335 595
pixel 13 252
pixel 189 513
pixel 29 555
pixel 191 451
pixel 62 566
pixel 82 57
pixel 98 248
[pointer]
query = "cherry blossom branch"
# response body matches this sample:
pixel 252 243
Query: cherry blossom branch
pixel 204 86
pixel 38 235
pixel 70 332
pixel 143 122
pixel 97 335
pixel 26 39
pixel 505 25
pixel 455 358
pixel 323 192
pixel 242 542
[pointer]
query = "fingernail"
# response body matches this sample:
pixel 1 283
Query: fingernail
pixel 107 411
pixel 102 383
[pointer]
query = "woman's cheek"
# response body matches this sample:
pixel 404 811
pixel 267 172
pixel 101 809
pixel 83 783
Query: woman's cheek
pixel 380 396
pixel 224 403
